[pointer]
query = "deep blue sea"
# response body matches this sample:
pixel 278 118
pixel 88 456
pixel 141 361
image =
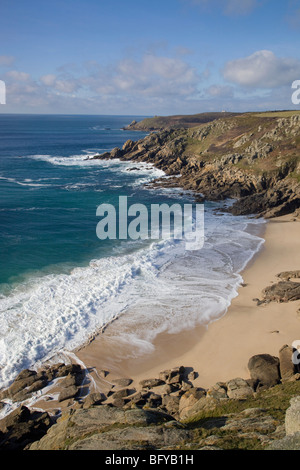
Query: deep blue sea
pixel 59 283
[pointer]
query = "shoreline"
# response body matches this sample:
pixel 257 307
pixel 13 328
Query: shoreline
pixel 221 350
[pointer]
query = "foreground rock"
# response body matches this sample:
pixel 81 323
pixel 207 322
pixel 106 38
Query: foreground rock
pixel 264 370
pixel 22 427
pixel 111 428
pixel 167 412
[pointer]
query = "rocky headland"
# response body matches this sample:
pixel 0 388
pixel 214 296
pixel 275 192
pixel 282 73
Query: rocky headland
pixel 251 158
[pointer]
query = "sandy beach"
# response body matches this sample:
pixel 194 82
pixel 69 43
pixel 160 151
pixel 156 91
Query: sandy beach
pixel 221 350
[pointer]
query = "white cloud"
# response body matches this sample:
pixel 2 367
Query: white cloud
pixel 59 84
pixel 262 70
pixel 48 80
pixel 18 76
pixel 150 76
pixel 220 91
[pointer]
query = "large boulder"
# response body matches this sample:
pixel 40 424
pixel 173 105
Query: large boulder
pixel 287 367
pixel 292 416
pixel 264 370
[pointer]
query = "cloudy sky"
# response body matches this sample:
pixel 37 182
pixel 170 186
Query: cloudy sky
pixel 137 57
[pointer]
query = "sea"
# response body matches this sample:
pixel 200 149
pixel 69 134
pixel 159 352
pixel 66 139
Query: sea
pixel 59 283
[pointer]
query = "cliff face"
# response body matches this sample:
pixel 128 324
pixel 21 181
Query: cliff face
pixel 254 158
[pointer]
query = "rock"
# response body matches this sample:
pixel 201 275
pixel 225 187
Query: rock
pixel 119 402
pixel 132 438
pixel 169 388
pixel 172 376
pixel 250 421
pixel 238 389
pixel 123 382
pixel 105 427
pixel 65 369
pixel 153 401
pixel 171 404
pixel 294 378
pixel 116 153
pixel 68 381
pixel 192 375
pixel 150 383
pixel 204 405
pixel 67 393
pixel 292 416
pixel 287 368
pixel 27 392
pixel 139 399
pixel 93 399
pixel 174 379
pixel 283 291
pixel 123 393
pixel 264 370
pixel 185 386
pixel 127 147
pixel 188 400
pixel 25 374
pixel 219 390
pixel 290 442
pixel 287 275
pixel 19 385
pixel 21 427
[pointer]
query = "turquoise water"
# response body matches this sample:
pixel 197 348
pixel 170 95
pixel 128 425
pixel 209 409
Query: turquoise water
pixel 49 194
pixel 59 283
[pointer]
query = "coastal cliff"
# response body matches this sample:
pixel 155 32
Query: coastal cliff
pixel 253 158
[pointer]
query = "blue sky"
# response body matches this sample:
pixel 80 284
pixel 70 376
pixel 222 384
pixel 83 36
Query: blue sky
pixel 144 58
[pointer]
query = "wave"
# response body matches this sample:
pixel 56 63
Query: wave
pixel 25 182
pixel 137 169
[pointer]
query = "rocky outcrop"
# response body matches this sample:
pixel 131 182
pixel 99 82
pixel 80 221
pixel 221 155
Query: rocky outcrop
pixel 292 428
pixel 283 291
pixel 111 428
pixel 164 412
pixel 286 365
pixel 22 427
pixel 71 378
pixel 264 370
pixel 251 159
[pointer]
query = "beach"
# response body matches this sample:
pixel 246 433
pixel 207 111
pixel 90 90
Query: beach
pixel 219 351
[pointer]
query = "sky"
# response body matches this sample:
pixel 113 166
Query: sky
pixel 137 57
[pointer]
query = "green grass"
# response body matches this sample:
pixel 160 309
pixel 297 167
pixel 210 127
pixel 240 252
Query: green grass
pixel 274 401
pixel 278 114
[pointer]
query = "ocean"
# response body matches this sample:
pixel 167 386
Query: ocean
pixel 59 283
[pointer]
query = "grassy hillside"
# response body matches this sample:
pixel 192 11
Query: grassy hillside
pixel 178 121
